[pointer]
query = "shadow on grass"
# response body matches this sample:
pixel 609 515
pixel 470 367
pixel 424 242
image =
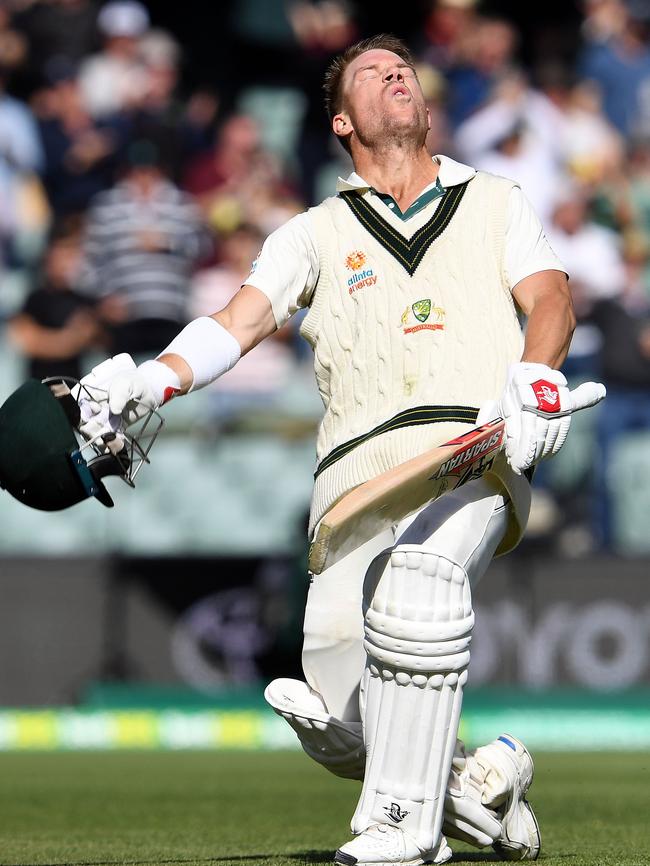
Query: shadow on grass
pixel 306 857
pixel 235 858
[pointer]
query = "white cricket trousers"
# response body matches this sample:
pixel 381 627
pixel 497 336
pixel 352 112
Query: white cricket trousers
pixel 465 525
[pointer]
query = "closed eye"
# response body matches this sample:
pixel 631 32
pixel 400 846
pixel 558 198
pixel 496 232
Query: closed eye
pixel 368 72
pixel 406 68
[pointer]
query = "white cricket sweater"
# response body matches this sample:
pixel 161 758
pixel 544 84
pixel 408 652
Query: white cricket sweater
pixel 401 322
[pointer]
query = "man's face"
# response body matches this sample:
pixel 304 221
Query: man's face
pixel 382 99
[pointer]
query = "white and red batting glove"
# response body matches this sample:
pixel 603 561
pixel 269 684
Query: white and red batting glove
pixel 116 394
pixel 134 393
pixel 537 405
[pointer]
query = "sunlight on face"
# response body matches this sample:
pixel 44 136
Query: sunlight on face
pixel 382 96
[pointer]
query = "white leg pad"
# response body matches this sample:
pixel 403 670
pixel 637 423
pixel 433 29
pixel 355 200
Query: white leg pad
pixel 337 746
pixel 418 630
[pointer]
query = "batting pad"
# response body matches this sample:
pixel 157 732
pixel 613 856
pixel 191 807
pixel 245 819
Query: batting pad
pixel 335 745
pixel 418 628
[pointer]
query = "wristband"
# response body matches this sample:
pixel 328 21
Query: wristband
pixel 208 349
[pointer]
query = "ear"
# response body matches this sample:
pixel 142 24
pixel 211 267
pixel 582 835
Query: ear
pixel 428 120
pixel 341 125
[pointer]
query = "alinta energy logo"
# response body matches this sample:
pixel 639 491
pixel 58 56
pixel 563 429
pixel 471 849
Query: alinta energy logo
pixel 416 317
pixel 360 279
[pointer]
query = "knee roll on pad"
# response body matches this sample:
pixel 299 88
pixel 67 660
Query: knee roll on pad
pixel 335 745
pixel 417 633
pixel 421 618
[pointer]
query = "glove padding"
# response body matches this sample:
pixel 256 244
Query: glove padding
pixel 536 405
pixel 116 394
pixel 131 394
pixel 96 417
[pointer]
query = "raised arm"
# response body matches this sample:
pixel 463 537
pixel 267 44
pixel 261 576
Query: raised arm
pixel 248 318
pixel 280 282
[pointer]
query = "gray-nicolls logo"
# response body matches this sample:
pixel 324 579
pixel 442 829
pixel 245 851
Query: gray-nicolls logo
pixel 395 813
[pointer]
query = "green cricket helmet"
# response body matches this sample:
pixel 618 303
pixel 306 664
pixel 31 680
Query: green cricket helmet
pixel 47 464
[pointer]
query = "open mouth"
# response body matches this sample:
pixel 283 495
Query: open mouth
pixel 400 90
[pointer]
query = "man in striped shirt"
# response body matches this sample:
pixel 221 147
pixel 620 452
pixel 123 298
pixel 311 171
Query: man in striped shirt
pixel 143 239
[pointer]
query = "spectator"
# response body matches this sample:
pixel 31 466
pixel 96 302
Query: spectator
pixel 603 20
pixel 13 45
pixel 81 152
pixel 518 135
pixel 620 65
pixel 487 55
pixel 21 157
pixel 239 181
pixel 593 149
pixel 624 323
pixel 321 29
pixel 612 337
pixel 622 199
pixel 439 139
pixel 56 323
pixel 593 260
pixel 158 114
pixel 143 239
pixel 115 79
pixel 449 26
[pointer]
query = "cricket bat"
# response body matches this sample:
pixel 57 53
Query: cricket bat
pixel 390 497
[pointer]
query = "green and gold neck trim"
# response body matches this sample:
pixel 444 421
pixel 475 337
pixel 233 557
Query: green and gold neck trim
pixel 409 253
pixel 407 418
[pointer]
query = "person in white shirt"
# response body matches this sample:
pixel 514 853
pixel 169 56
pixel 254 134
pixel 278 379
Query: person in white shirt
pixel 415 275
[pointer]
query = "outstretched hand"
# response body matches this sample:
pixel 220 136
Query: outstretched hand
pixel 117 393
pixel 537 405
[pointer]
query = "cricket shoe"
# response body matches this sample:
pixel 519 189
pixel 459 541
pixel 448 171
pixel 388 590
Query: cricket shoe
pixel 383 844
pixel 520 838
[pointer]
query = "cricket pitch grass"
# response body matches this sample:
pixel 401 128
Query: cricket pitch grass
pixel 198 809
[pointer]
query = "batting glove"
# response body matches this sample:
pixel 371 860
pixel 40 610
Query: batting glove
pixel 132 394
pixel 92 396
pixel 536 405
pixel 116 393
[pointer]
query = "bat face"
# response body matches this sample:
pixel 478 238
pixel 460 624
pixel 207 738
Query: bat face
pixel 387 499
pixel 479 442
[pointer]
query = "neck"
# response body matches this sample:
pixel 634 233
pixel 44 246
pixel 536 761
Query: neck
pixel 397 171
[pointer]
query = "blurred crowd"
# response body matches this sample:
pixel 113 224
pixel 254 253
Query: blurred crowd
pixel 131 202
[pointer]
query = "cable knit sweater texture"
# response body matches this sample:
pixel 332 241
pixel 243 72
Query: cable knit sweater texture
pixel 386 340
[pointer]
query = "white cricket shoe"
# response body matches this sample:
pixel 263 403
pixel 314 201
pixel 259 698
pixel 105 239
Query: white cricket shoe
pixel 382 843
pixel 520 838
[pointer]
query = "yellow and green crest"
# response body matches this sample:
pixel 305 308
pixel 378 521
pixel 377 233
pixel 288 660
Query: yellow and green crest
pixel 422 309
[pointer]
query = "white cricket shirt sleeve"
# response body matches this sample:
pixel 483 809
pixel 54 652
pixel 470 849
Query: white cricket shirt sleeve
pixel 527 249
pixel 286 269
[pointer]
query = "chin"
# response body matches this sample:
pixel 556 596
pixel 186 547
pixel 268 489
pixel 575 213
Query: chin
pixel 405 125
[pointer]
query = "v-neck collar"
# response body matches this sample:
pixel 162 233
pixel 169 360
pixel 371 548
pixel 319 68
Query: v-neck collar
pixel 409 253
pixel 450 171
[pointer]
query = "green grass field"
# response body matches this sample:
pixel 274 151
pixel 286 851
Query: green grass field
pixel 216 808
